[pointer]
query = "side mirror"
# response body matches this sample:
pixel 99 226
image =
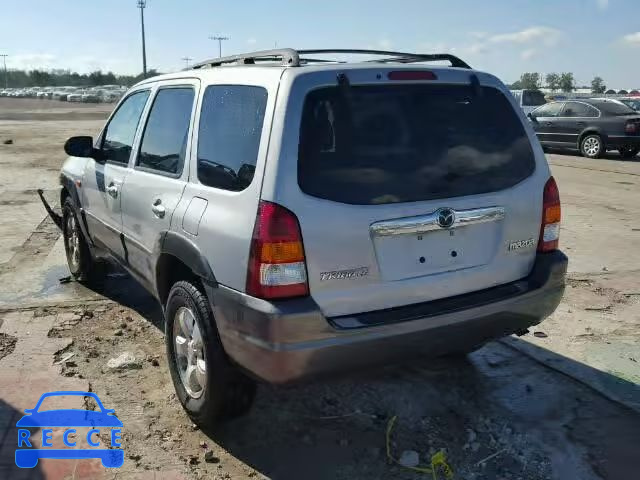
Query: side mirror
pixel 531 117
pixel 80 147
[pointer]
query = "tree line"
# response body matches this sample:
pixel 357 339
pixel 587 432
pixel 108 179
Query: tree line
pixel 60 77
pixel 555 81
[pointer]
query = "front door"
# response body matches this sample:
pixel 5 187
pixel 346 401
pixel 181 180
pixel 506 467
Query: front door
pixel 154 187
pixel 103 180
pixel 543 121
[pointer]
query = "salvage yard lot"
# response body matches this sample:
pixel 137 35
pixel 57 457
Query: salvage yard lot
pixel 563 404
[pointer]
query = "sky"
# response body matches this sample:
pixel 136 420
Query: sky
pixel 504 37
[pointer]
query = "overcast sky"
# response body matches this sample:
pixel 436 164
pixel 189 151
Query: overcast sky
pixel 504 37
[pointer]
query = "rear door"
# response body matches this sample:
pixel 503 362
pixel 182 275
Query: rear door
pixel 408 191
pixel 153 189
pixel 572 120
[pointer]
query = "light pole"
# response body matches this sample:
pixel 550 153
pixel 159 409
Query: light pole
pixel 141 5
pixel 6 77
pixel 186 61
pixel 219 39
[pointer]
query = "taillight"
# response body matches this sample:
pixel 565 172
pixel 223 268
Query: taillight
pixel 550 226
pixel 276 261
pixel 631 127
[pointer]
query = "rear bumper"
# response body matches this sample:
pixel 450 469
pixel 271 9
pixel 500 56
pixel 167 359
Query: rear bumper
pixel 291 340
pixel 619 141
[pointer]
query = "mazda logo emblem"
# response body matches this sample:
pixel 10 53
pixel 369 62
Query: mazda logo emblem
pixel 446 217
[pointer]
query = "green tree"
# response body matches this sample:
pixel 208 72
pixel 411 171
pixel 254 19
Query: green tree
pixel 597 85
pixel 567 82
pixel 553 81
pixel 530 81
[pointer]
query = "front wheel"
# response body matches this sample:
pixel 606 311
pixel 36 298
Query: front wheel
pixel 629 152
pixel 79 260
pixel 591 146
pixel 208 386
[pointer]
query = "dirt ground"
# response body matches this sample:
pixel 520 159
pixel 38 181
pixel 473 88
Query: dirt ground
pixel 560 403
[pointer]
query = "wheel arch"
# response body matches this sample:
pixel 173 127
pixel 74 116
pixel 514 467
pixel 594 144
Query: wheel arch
pixel 590 131
pixel 179 258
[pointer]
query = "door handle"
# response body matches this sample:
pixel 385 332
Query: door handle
pixel 548 124
pixel 158 209
pixel 112 190
pixel 581 124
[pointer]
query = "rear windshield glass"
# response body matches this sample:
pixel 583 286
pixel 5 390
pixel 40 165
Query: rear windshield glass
pixel 532 98
pixel 405 143
pixel 615 108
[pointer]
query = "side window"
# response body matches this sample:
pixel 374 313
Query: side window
pixel 164 140
pixel 578 109
pixel 229 135
pixel 548 110
pixel 119 133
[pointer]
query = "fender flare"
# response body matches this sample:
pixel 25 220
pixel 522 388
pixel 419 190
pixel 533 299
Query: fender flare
pixel 188 253
pixel 69 185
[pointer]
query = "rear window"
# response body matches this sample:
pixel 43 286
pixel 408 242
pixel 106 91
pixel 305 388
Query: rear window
pixel 405 143
pixel 615 108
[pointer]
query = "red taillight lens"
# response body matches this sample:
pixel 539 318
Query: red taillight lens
pixel 277 266
pixel 551 215
pixel 631 127
pixel 412 75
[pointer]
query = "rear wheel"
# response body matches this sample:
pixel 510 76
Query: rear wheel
pixel 208 386
pixel 629 152
pixel 591 146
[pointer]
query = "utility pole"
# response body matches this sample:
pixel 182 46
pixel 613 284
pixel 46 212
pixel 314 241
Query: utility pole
pixel 186 61
pixel 141 5
pixel 6 77
pixel 219 39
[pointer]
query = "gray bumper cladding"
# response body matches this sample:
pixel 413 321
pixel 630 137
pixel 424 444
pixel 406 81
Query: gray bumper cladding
pixel 291 340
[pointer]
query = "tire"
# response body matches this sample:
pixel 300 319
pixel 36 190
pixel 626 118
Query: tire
pixel 208 386
pixel 629 152
pixel 81 264
pixel 591 146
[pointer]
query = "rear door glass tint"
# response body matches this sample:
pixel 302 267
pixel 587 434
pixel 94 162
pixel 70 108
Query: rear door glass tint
pixel 405 143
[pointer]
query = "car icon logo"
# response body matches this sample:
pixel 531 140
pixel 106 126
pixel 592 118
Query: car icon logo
pixel 445 217
pixel 68 419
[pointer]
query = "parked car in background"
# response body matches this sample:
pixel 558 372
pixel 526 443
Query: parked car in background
pixel 593 126
pixel 75 97
pixel 529 100
pixel 444 229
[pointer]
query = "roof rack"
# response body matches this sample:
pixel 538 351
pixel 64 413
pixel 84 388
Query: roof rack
pixel 292 58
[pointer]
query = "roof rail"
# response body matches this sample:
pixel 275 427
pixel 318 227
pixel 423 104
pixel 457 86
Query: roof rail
pixel 287 56
pixel 291 57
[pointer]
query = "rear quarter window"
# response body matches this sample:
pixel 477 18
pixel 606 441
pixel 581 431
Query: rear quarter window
pixel 404 143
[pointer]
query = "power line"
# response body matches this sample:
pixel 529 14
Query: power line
pixel 6 77
pixel 186 61
pixel 141 5
pixel 219 39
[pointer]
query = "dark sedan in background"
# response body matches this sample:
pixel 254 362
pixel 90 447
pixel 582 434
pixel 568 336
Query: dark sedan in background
pixel 593 126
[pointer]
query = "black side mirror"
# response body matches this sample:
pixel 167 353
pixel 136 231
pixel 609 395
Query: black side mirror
pixel 531 117
pixel 80 147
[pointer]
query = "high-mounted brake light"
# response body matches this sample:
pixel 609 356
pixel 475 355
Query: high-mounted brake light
pixel 412 75
pixel 551 215
pixel 277 267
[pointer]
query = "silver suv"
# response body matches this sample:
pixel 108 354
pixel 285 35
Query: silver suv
pixel 296 216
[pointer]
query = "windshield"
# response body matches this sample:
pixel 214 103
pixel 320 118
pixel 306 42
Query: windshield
pixel 406 143
pixel 615 108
